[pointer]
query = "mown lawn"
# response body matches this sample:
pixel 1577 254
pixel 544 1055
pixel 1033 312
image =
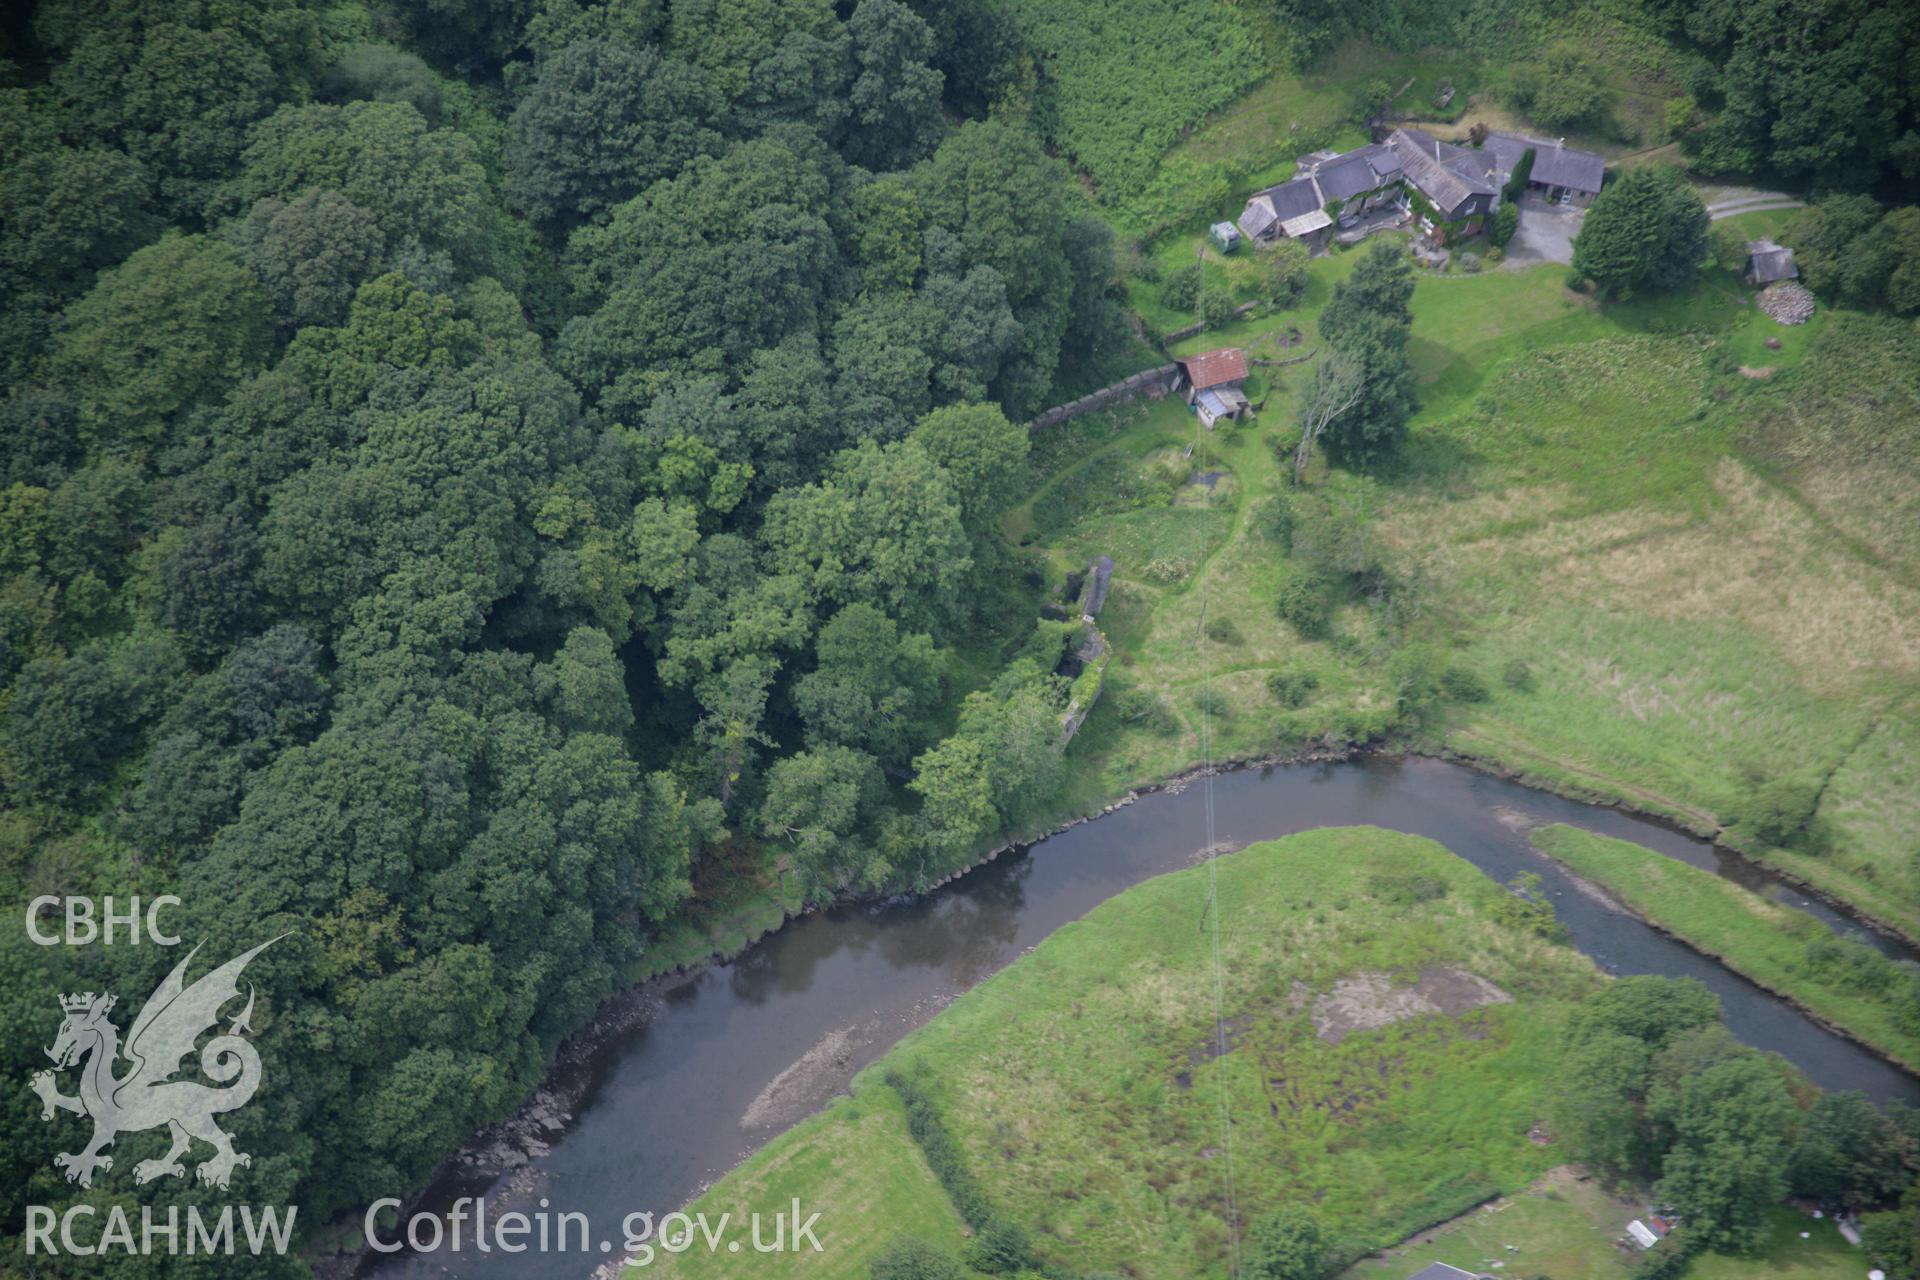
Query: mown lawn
pixel 1783 1255
pixel 1564 1226
pixel 1775 946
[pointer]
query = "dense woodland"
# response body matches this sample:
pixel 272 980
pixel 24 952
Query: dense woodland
pixel 481 477
pixel 470 469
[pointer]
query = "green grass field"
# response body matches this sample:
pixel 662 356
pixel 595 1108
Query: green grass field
pixel 1080 1083
pixel 1775 946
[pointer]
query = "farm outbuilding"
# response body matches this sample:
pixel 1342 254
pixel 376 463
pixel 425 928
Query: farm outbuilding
pixel 1267 214
pixel 1211 382
pixel 1566 175
pixel 1768 262
pixel 1221 402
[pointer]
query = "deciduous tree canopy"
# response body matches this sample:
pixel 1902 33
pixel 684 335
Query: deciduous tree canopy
pixel 471 467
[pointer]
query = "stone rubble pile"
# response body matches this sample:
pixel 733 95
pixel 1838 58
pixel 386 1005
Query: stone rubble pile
pixel 1787 302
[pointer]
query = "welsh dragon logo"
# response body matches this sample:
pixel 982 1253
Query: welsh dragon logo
pixel 147 1096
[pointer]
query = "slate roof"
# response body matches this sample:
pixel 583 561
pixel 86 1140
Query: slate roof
pixel 1441 1271
pixel 1559 166
pixel 1365 169
pixel 1442 172
pixel 1291 199
pixel 1258 215
pixel 1211 368
pixel 1506 150
pixel 1771 261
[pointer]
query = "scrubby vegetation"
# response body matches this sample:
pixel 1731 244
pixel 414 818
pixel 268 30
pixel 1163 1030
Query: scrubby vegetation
pixel 1843 981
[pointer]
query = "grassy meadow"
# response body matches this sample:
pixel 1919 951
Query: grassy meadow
pixel 1845 983
pixel 1671 595
pixel 1084 1085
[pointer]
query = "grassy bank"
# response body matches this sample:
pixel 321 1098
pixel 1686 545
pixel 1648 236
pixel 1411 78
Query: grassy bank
pixel 1846 984
pixel 1083 1084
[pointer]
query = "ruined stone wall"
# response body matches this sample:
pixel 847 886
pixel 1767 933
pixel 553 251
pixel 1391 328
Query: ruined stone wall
pixel 1148 382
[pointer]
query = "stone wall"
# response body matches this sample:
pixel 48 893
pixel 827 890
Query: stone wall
pixel 1148 382
pixel 1200 326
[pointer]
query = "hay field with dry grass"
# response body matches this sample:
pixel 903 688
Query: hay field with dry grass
pixel 1703 605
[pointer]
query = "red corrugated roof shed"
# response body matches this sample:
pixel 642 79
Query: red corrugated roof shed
pixel 1214 368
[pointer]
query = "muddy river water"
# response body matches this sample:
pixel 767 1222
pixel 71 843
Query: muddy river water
pixel 724 1059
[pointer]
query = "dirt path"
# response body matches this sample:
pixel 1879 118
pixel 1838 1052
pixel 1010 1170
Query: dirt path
pixel 1735 203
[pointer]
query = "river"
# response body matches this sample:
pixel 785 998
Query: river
pixel 664 1105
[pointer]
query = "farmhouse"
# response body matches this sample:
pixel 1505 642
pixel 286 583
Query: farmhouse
pixel 1455 184
pixel 1445 185
pixel 1768 262
pixel 1561 174
pixel 1448 189
pixel 1212 382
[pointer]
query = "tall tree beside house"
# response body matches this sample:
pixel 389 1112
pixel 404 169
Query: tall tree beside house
pixel 1380 287
pixel 1517 180
pixel 1506 221
pixel 1366 324
pixel 1286 272
pixel 1646 230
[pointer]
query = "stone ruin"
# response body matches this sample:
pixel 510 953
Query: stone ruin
pixel 1787 302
